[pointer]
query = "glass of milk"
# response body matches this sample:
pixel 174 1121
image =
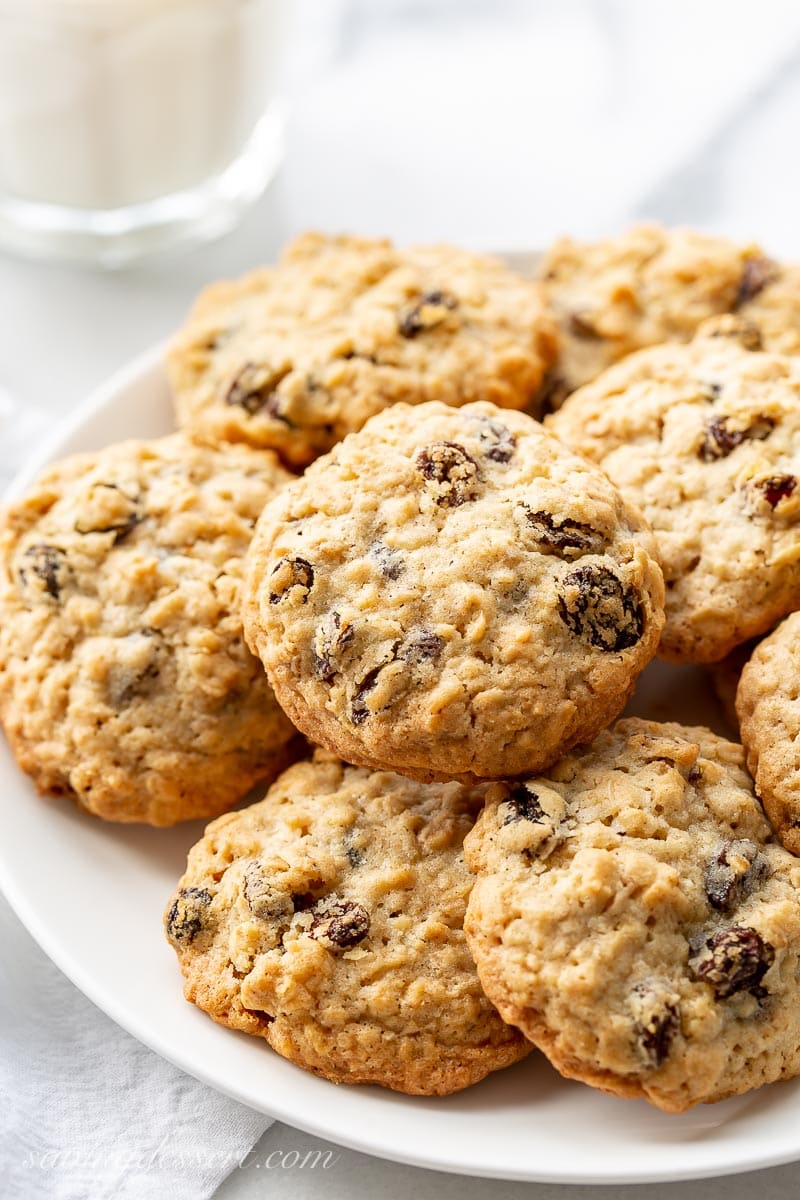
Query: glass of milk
pixel 128 125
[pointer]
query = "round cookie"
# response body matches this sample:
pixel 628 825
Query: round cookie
pixel 705 438
pixel 635 918
pixel 646 286
pixel 296 356
pixel 768 707
pixel 328 919
pixel 451 593
pixel 125 681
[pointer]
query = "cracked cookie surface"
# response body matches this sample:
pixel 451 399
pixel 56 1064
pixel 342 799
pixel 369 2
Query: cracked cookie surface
pixel 295 356
pixel 125 681
pixel 705 437
pixel 768 707
pixel 451 593
pixel 328 919
pixel 635 917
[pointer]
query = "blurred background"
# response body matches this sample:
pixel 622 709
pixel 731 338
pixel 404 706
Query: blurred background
pixel 499 125
pixel 506 123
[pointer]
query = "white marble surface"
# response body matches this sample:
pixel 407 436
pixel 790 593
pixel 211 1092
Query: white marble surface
pixel 498 125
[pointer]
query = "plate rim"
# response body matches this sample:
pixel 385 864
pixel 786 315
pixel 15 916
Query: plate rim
pixel 99 398
pixel 137 372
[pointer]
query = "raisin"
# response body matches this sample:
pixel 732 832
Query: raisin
pixel 265 901
pixel 522 805
pixel 581 327
pixel 735 871
pixel 721 437
pixel 188 915
pixel 756 274
pixel 358 706
pixel 253 389
pixel 422 645
pixel 765 493
pixel 391 563
pixel 776 488
pixel 428 312
pixel 497 441
pixel 455 472
pixel 732 960
pixel 565 536
pixel 656 1021
pixel 339 923
pixel 596 606
pixel 49 566
pixel 329 642
pixel 291 573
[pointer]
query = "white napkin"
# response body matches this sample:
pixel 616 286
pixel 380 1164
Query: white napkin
pixel 90 1114
pixel 86 1112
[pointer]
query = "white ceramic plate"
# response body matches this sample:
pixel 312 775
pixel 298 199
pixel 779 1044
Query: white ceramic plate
pixel 92 894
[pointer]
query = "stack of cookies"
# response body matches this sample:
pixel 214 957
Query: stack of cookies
pixel 515 493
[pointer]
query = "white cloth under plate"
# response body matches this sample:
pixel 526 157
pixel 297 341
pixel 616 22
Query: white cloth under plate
pixel 86 1112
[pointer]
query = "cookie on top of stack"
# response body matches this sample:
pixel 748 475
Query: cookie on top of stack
pixel 294 357
pixel 451 593
pixel 453 604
